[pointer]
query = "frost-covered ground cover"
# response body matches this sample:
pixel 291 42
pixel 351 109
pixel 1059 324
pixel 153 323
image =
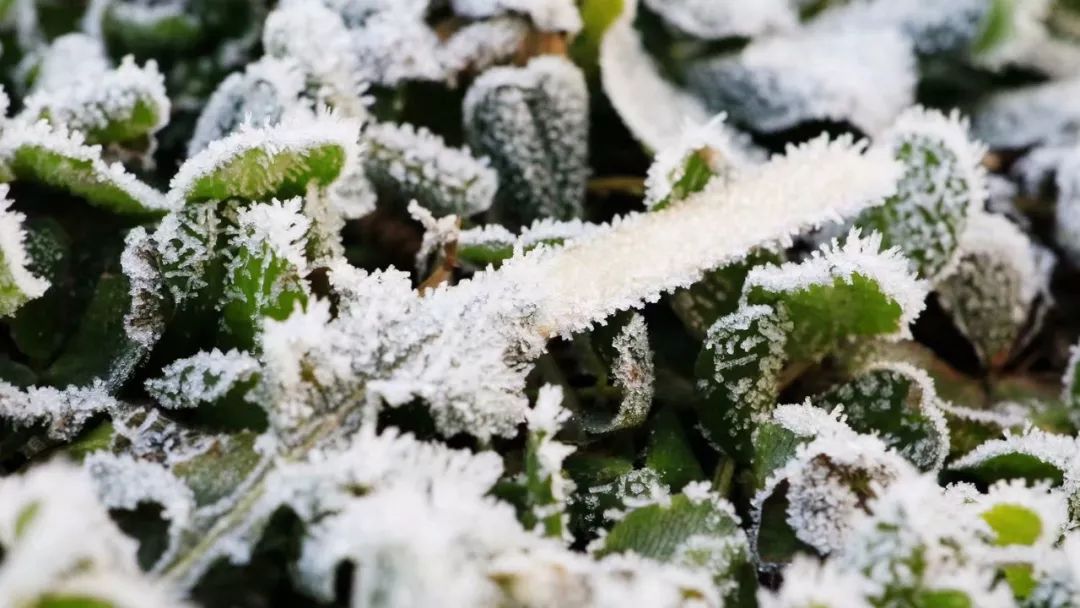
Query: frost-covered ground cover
pixel 539 303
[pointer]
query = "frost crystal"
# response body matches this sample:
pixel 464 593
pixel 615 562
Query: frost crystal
pixel 203 378
pixel 866 78
pixel 412 163
pixel 633 374
pixel 17 283
pixel 64 411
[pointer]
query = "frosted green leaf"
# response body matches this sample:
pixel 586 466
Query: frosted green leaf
pixel 897 402
pixel 632 374
pixel 187 241
pixel 264 275
pixel 492 243
pixel 1033 455
pixel 696 529
pixel 798 312
pixel 669 452
pixel 815 498
pixel 260 163
pixel 533 124
pixel 943 184
pixel 717 293
pixel 147 28
pixel 118 106
pixel 865 78
pixel 56 157
pixel 18 283
pixel 991 293
pixel 406 163
pixel 259 96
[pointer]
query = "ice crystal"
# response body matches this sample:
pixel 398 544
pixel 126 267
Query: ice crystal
pixel 63 411
pixel 205 377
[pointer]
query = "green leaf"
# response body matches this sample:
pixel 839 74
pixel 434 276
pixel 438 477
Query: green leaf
pixel 21 273
pixel 1033 456
pixel 899 404
pixel 698 529
pixel 1013 524
pixel 533 124
pixel 943 182
pixel 669 452
pixel 717 293
pixel 55 157
pixel 259 164
pixel 798 313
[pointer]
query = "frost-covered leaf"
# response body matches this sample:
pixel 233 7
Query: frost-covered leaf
pixel 406 163
pixel 715 19
pixel 799 312
pixel 1032 455
pixel 481 45
pixel 260 96
pixel 260 163
pixel 991 292
pixel 118 106
pixel 547 489
pixel 315 39
pixel 187 241
pixel 946 27
pixel 71 57
pixel 864 78
pixel 697 529
pixel 264 276
pixel 652 108
pixel 203 379
pixel 810 583
pixel 150 27
pixel 717 293
pixel 533 124
pixel 492 243
pixel 819 493
pixel 18 283
pixel 633 375
pixel 64 412
pixel 1040 114
pixel 943 184
pixel 123 321
pixel 56 157
pixel 897 402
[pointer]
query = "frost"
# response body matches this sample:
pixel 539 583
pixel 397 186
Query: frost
pixel 18 284
pixel 1048 506
pixel 392 47
pixel 482 44
pixel 863 77
pixel 653 109
pixel 811 184
pixel 543 167
pixel 712 19
pixel 144 321
pixel 413 163
pixel 1044 454
pixel 1067 209
pixel 185 241
pixel 1040 114
pixel 64 411
pixel 60 158
pixel 493 242
pixel 545 483
pixel 116 106
pixel 546 15
pixel 203 378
